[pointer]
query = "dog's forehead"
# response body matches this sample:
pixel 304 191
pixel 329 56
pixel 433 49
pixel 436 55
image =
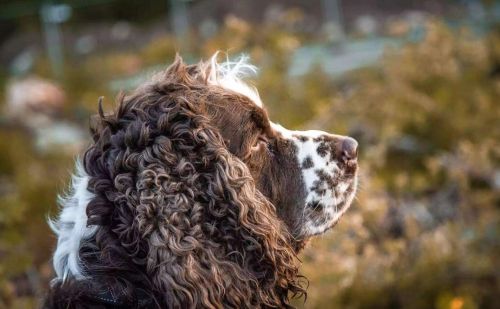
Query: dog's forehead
pixel 242 88
pixel 235 109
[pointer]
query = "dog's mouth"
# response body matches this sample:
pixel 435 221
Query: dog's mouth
pixel 324 213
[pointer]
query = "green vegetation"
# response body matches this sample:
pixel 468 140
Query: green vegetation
pixel 424 231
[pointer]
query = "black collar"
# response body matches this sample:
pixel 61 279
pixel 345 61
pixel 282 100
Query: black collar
pixel 110 296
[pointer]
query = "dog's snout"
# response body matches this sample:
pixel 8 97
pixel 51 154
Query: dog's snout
pixel 349 149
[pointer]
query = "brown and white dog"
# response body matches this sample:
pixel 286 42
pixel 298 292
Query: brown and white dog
pixel 190 197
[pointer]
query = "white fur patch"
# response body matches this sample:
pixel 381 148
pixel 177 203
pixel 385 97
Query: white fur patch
pixel 330 198
pixel 71 227
pixel 229 75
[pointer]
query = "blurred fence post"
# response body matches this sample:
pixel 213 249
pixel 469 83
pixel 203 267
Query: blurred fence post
pixel 51 16
pixel 179 20
pixel 334 25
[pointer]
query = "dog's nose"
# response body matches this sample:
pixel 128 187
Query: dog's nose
pixel 349 149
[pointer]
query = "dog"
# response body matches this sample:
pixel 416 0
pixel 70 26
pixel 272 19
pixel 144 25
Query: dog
pixel 190 197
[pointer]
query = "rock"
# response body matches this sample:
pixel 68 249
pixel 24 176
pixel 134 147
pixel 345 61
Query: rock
pixel 33 101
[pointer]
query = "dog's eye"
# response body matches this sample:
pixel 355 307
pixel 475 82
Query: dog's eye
pixel 260 143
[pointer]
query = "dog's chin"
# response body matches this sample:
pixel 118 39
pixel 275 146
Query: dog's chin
pixel 319 221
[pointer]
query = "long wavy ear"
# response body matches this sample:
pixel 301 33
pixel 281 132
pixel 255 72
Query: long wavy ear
pixel 182 207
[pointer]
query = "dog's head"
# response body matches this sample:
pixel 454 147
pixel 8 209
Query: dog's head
pixel 309 176
pixel 190 183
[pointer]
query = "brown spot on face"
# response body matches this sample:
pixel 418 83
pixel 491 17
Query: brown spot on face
pixel 316 206
pixel 324 138
pixel 302 138
pixel 327 145
pixel 324 177
pixel 307 163
pixel 324 180
pixel 322 149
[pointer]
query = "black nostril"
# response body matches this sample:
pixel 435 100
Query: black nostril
pixel 349 148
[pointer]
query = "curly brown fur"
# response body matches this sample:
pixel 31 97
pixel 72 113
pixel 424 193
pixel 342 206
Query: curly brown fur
pixel 195 199
pixel 178 214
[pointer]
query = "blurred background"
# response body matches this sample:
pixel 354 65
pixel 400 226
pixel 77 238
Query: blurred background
pixel 417 82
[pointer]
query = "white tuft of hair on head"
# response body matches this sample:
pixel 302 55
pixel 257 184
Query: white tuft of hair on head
pixel 71 226
pixel 230 74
